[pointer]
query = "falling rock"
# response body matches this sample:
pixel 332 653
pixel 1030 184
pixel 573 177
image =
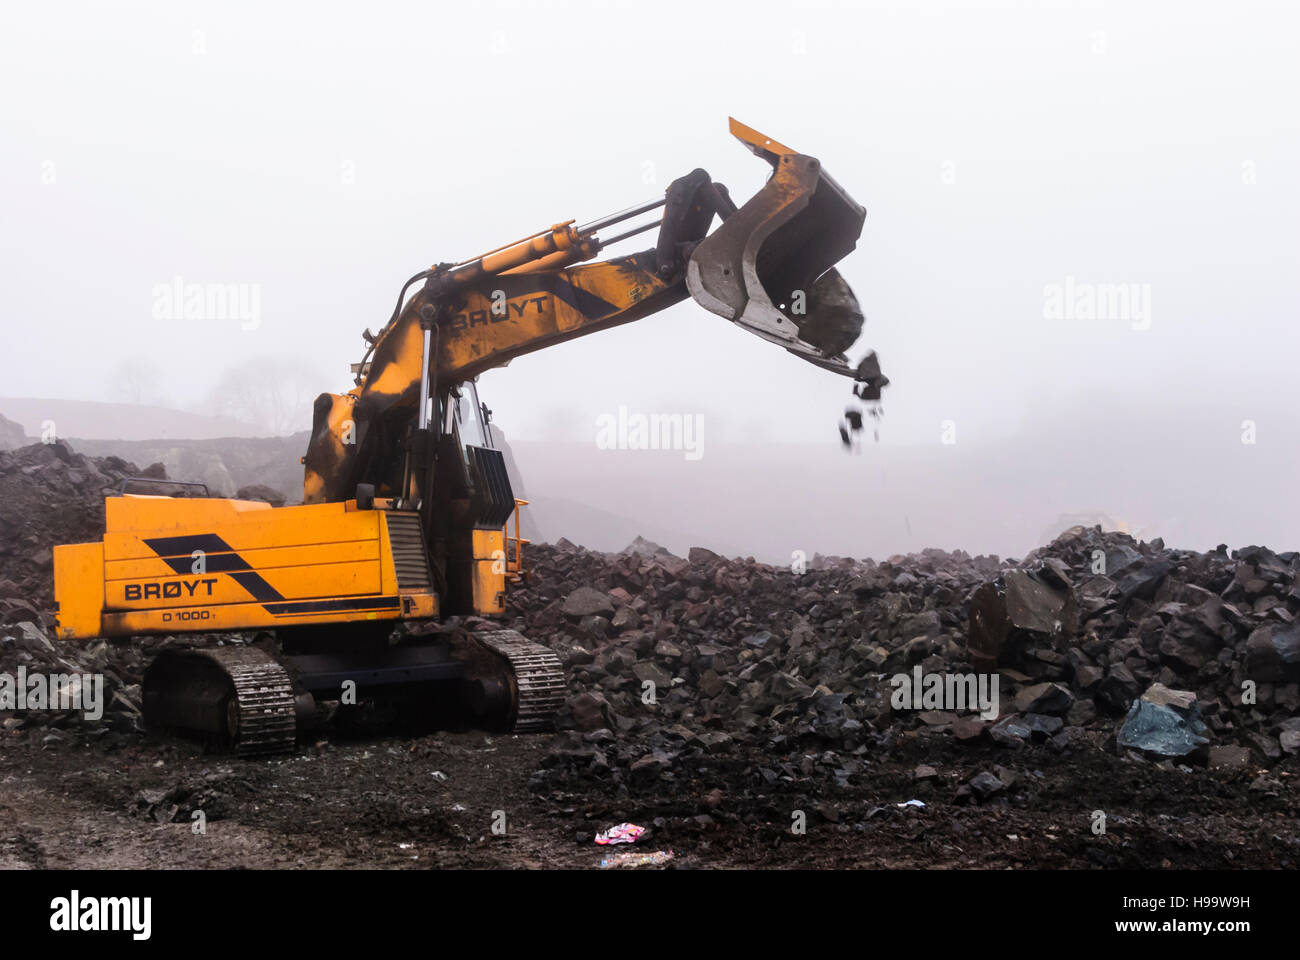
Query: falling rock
pixel 588 602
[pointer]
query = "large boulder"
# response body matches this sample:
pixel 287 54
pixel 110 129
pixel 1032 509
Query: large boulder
pixel 1165 723
pixel 1019 611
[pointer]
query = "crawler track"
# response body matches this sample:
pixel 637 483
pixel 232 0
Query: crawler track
pixel 536 676
pixel 236 694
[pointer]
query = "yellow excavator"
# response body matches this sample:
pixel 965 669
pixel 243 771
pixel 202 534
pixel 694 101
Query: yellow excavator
pixel 407 504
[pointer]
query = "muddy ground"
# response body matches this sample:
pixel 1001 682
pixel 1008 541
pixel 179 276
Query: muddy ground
pixel 430 801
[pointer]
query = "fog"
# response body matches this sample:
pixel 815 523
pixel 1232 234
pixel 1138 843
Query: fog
pixel 1079 265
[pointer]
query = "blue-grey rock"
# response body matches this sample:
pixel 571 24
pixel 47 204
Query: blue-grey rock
pixel 1163 731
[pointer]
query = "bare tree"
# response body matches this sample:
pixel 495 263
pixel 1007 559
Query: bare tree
pixel 135 380
pixel 274 393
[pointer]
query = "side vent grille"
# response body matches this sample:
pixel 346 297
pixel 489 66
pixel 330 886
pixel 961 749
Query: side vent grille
pixel 409 554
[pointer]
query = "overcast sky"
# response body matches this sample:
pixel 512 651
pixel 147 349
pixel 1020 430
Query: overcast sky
pixel 322 154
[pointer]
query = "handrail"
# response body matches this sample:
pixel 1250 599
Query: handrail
pixel 517 569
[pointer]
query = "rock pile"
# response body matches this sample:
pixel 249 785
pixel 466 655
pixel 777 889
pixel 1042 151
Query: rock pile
pixel 707 666
pixel 49 495
pixel 115 669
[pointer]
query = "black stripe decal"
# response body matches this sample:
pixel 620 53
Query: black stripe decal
pixel 177 552
pixel 177 546
pixel 332 606
pixel 219 557
pixel 584 301
pixel 254 584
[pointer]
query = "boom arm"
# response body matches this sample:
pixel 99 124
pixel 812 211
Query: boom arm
pixel 767 268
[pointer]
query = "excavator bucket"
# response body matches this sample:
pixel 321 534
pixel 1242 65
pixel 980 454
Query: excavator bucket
pixel 770 266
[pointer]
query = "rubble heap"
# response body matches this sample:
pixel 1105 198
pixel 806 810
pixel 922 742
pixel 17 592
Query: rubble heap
pixel 709 667
pixel 49 495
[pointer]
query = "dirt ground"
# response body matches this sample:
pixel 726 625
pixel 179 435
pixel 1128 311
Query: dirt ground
pixel 430 801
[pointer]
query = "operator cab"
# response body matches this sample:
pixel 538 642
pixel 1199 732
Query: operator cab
pixel 471 417
pixel 471 505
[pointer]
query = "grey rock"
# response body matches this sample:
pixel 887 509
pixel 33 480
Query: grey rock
pixel 1118 690
pixel 1051 698
pixel 1161 731
pixel 985 784
pixel 1273 653
pixel 647 671
pixel 587 602
pixel 1143 581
